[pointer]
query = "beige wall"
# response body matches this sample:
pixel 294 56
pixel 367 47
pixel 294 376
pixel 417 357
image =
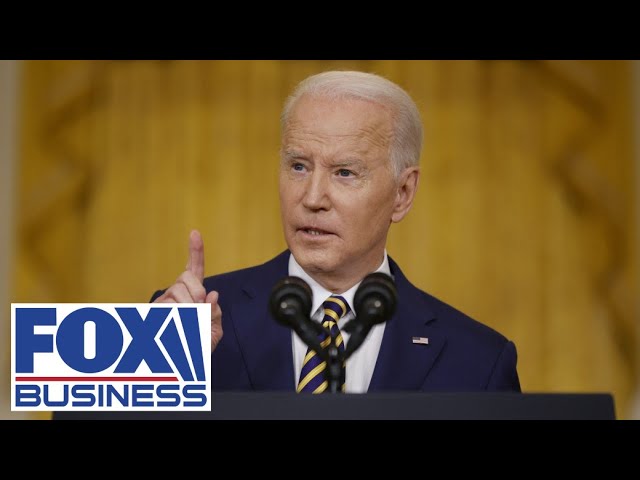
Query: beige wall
pixel 636 84
pixel 9 100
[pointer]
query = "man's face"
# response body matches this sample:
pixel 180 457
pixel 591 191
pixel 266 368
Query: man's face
pixel 337 190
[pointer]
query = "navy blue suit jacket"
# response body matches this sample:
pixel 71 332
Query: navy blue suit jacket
pixel 256 353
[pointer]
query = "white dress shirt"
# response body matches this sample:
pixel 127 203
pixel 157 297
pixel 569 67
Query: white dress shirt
pixel 360 365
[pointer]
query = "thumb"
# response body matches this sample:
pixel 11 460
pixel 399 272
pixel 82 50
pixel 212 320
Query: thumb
pixel 216 319
pixel 212 297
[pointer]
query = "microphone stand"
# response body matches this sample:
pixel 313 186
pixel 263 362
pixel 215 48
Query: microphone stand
pixel 308 332
pixel 334 367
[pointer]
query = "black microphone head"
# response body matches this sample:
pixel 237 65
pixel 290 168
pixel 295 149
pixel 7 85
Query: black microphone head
pixel 290 298
pixel 375 299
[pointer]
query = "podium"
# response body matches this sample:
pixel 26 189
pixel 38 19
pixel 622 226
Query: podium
pixel 384 406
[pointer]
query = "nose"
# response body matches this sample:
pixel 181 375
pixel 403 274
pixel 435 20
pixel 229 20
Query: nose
pixel 316 196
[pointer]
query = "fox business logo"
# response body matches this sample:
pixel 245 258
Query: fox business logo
pixel 111 357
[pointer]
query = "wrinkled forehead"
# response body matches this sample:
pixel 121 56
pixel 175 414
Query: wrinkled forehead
pixel 340 118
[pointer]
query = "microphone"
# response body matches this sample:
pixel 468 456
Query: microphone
pixel 374 302
pixel 290 299
pixel 290 304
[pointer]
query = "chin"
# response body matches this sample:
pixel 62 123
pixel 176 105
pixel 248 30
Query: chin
pixel 314 261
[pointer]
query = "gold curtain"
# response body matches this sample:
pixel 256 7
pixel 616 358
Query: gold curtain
pixel 523 219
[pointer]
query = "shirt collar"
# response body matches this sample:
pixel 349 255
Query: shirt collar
pixel 320 294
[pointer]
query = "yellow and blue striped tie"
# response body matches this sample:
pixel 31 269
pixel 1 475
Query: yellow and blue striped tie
pixel 312 375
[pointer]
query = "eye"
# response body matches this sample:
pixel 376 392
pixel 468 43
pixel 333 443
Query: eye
pixel 298 167
pixel 343 172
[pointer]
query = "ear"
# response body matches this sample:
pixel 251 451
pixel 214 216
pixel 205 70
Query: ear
pixel 407 187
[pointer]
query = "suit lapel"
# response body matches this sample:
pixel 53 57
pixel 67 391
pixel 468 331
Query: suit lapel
pixel 402 364
pixel 266 345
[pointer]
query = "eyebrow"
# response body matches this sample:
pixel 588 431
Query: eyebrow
pixel 350 162
pixel 289 153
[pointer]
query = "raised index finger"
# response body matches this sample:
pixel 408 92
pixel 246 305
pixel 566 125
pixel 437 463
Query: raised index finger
pixel 196 255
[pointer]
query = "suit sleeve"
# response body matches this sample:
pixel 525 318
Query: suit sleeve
pixel 504 376
pixel 156 295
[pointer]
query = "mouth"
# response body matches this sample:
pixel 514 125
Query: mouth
pixel 314 233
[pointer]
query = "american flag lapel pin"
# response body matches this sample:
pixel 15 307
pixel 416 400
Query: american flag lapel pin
pixel 420 340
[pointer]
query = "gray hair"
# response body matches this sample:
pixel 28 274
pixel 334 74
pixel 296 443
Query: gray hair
pixel 405 148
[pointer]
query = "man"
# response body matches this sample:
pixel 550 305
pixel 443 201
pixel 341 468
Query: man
pixel 351 143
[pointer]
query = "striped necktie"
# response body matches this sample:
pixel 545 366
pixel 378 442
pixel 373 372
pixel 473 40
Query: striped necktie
pixel 312 375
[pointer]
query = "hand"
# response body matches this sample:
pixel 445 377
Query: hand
pixel 188 287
